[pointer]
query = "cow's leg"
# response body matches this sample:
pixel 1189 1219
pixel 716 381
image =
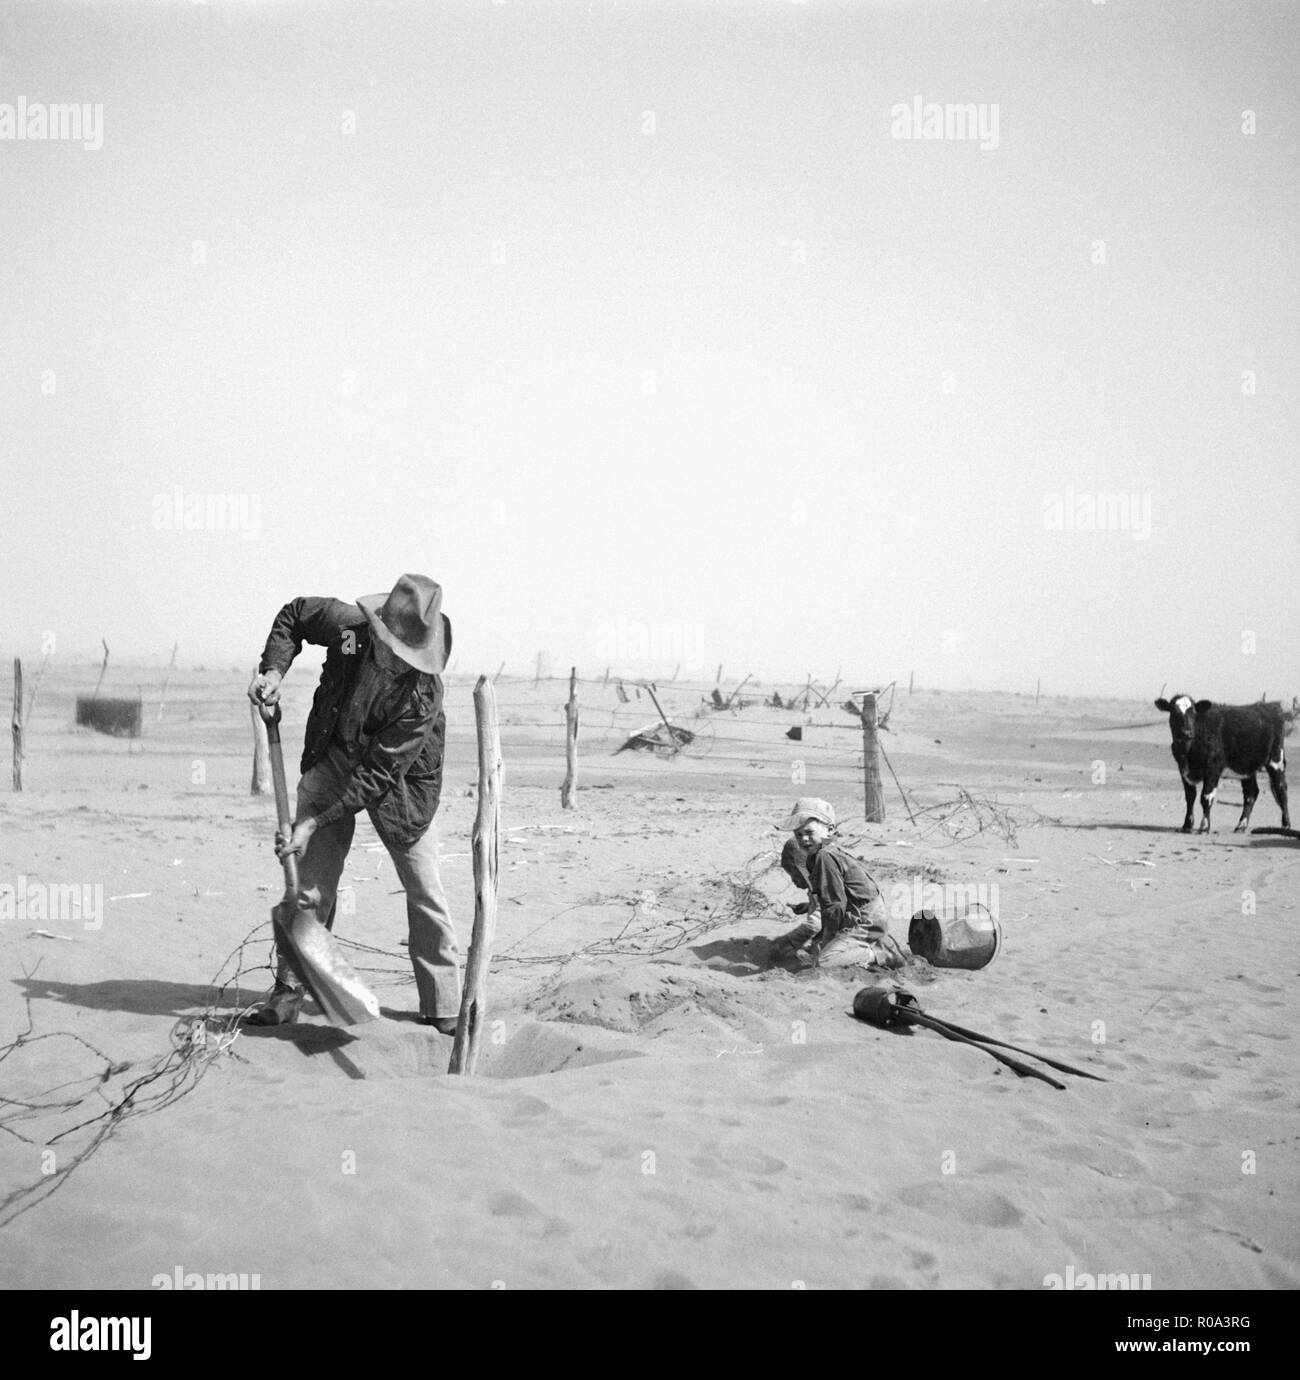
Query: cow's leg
pixel 1277 783
pixel 1209 789
pixel 1249 795
pixel 1189 795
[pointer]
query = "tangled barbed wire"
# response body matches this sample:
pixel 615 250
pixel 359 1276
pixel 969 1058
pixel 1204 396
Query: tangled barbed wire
pixel 84 1112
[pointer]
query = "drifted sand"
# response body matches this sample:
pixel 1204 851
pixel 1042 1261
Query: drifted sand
pixel 674 1116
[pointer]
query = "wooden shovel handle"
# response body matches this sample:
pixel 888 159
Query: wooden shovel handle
pixel 284 816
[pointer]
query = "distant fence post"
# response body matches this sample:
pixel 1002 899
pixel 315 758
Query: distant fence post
pixel 162 699
pixel 570 743
pixel 102 668
pixel 18 724
pixel 261 782
pixel 873 791
pixel 473 1005
pixel 36 689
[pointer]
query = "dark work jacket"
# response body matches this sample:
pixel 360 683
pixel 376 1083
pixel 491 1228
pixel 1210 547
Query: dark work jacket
pixel 846 895
pixel 392 734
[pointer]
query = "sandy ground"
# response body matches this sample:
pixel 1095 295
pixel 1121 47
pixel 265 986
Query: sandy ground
pixel 655 1107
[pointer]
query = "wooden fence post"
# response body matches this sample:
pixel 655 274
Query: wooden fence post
pixel 911 680
pixel 18 724
pixel 162 699
pixel 102 668
pixel 261 782
pixel 36 689
pixel 473 1005
pixel 873 791
pixel 570 743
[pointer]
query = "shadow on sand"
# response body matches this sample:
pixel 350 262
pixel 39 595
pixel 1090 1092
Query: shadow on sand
pixel 142 996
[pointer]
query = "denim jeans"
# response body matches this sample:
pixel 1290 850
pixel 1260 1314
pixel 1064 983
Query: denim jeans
pixel 435 955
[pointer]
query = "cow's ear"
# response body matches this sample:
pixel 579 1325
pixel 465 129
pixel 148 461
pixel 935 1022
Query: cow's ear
pixel 1163 704
pixel 1204 706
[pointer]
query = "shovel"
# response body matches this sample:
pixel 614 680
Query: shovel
pixel 303 940
pixel 888 1007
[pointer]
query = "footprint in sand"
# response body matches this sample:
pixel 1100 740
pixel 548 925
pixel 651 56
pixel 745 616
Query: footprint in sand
pixel 979 1206
pixel 512 1204
pixel 525 1106
pixel 1186 1070
pixel 859 1202
pixel 672 1279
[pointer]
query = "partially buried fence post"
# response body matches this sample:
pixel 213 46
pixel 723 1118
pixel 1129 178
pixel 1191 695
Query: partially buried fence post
pixel 570 743
pixel 18 724
pixel 261 782
pixel 473 1005
pixel 873 791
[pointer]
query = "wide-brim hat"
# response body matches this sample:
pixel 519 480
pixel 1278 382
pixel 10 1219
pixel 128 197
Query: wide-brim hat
pixel 409 621
pixel 809 807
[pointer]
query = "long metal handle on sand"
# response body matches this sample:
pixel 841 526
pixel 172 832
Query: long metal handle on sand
pixel 1002 1044
pixel 911 1014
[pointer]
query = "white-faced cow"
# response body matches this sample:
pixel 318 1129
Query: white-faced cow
pixel 1239 739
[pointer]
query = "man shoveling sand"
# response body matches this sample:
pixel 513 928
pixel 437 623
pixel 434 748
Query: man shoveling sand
pixel 374 742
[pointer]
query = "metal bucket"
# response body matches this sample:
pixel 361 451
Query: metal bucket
pixel 969 940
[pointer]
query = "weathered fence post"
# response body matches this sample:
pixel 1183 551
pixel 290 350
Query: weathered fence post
pixel 102 668
pixel 36 689
pixel 18 724
pixel 672 737
pixel 911 680
pixel 473 1005
pixel 162 699
pixel 570 743
pixel 261 782
pixel 873 791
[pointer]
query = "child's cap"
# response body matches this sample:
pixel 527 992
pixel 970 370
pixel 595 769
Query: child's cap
pixel 809 807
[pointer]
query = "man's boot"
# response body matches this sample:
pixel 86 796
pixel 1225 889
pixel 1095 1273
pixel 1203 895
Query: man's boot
pixel 280 1008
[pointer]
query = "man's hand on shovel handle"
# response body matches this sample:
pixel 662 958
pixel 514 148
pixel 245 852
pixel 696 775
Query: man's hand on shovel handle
pixel 298 840
pixel 264 688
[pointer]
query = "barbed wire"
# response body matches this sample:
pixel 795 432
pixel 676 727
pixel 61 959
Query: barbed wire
pixel 196 1043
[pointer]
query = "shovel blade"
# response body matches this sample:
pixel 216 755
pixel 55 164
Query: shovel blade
pixel 316 962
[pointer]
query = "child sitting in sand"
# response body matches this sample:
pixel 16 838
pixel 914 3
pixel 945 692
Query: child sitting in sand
pixel 846 922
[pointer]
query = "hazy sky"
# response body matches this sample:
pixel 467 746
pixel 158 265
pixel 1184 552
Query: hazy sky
pixel 632 319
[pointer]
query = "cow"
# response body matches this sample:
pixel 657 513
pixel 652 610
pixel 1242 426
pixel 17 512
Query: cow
pixel 1240 739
